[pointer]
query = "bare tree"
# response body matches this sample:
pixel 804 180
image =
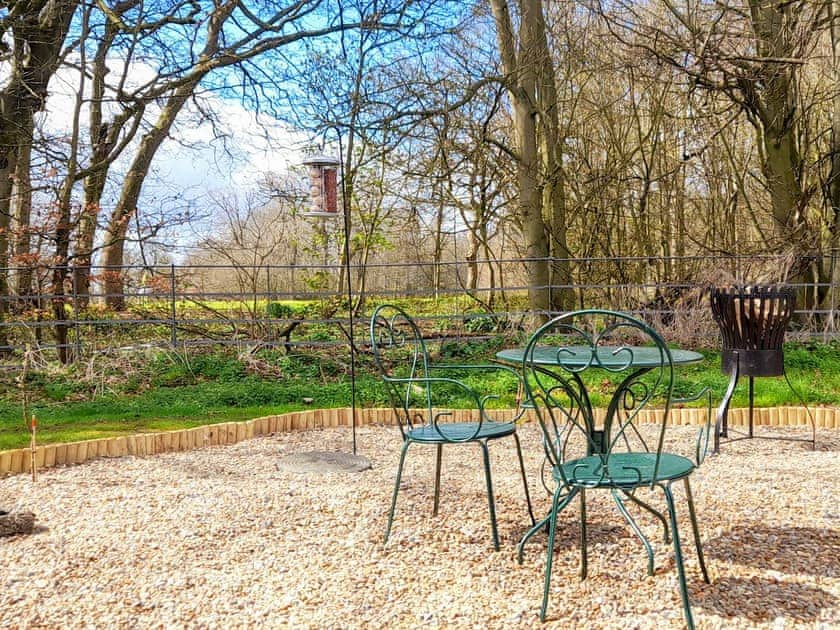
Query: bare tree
pixel 248 236
pixel 257 32
pixel 522 59
pixel 32 35
pixel 125 33
pixel 749 52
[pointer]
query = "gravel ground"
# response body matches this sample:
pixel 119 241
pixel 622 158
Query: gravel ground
pixel 224 537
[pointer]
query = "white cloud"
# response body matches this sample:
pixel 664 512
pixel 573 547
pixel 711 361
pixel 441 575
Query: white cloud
pixel 191 162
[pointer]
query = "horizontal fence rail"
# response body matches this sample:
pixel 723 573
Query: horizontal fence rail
pixel 297 307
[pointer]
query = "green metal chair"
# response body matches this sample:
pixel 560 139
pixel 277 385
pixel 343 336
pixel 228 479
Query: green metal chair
pixel 416 387
pixel 622 454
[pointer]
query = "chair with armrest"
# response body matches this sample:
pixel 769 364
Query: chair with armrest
pixel 621 451
pixel 419 391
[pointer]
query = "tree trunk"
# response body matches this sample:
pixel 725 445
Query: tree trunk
pixel 23 210
pixel 521 72
pixel 437 253
pixel 781 169
pixel 85 234
pixel 491 271
pixel 114 249
pixel 552 151
pixel 472 260
pixel 94 186
pixel 530 210
pixel 104 136
pixel 829 270
pixel 36 32
pixel 5 197
pixel 772 96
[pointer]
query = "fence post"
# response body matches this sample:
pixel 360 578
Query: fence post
pixel 174 339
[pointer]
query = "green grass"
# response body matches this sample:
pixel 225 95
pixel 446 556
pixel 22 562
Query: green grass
pixel 168 408
pixel 813 370
pixel 169 391
pixel 72 424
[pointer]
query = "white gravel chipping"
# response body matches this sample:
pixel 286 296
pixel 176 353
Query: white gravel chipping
pixel 221 537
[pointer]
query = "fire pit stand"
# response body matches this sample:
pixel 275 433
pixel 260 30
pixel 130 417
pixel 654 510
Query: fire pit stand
pixel 752 322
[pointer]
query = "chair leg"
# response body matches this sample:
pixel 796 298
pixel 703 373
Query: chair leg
pixel 524 479
pixel 520 548
pixel 583 561
pixel 635 527
pixel 672 512
pixel 552 531
pixel 653 511
pixel 490 500
pixel 396 490
pixel 696 531
pixel 437 479
pixel 544 523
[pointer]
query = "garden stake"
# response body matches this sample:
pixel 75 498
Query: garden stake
pixel 33 465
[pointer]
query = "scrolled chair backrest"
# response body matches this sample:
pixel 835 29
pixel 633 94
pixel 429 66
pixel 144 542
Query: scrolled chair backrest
pixel 613 356
pixel 400 354
pixel 416 394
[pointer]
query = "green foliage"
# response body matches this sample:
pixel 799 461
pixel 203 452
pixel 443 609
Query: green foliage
pixel 133 384
pixel 279 310
pixel 824 357
pixel 57 386
pixel 212 366
pixel 120 393
pixel 321 335
pixel 172 369
pixel 486 322
pixel 478 350
pixel 317 280
pixel 58 391
pixel 169 372
pixel 177 407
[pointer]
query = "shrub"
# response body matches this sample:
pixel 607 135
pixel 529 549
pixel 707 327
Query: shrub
pixel 486 322
pixel 217 367
pixel 278 310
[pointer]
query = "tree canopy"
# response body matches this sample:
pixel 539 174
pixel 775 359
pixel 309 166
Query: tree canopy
pixel 486 130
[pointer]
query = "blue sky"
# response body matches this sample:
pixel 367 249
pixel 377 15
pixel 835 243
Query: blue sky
pixel 191 163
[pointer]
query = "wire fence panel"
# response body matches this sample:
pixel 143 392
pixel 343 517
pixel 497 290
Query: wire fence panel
pixel 296 307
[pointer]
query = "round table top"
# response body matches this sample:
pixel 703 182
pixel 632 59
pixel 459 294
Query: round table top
pixel 607 356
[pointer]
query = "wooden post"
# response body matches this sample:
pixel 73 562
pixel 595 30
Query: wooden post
pixel 49 455
pixel 174 329
pixel 33 464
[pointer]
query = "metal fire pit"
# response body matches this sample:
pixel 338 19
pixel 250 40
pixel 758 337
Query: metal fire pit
pixel 752 323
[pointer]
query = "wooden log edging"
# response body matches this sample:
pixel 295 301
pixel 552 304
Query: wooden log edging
pixel 144 444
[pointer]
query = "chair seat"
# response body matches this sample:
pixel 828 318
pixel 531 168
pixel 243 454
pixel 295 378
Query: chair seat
pixel 460 431
pixel 625 469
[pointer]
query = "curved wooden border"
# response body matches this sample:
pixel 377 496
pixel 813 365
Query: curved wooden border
pixel 142 444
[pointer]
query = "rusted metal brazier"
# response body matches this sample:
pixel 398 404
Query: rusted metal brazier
pixel 752 322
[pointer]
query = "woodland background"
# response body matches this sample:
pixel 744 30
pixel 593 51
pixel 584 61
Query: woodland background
pixel 550 134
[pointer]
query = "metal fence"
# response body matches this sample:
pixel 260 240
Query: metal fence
pixel 296 306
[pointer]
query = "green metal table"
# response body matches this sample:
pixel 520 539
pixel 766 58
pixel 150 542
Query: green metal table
pixel 638 359
pixel 576 357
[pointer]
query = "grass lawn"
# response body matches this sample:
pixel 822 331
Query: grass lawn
pixel 168 392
